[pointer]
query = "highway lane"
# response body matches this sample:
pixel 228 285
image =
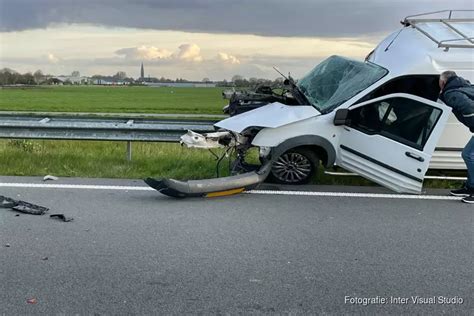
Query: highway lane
pixel 142 253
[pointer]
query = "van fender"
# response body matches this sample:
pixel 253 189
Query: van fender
pixel 307 140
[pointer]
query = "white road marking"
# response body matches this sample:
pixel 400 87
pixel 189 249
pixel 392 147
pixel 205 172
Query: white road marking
pixel 359 195
pixel 75 186
pixel 267 192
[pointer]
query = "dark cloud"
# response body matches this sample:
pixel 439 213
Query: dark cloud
pixel 336 18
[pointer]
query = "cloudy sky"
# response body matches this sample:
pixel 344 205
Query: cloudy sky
pixel 194 39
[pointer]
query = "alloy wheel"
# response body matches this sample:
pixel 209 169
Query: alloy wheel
pixel 292 167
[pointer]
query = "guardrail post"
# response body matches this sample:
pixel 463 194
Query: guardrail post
pixel 129 150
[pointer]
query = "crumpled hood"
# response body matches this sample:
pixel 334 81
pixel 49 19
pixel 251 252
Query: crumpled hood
pixel 272 115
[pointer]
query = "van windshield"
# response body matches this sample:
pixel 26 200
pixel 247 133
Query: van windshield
pixel 336 80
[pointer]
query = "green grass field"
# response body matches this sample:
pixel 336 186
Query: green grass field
pixel 108 99
pixel 107 159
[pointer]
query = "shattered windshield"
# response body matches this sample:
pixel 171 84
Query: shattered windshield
pixel 336 80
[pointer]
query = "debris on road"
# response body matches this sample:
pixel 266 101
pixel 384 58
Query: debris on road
pixel 6 203
pixel 44 258
pixel 28 209
pixel 210 187
pixel 50 177
pixel 32 301
pixel 62 217
pixel 7 245
pixel 22 206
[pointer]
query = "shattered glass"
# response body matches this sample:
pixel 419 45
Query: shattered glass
pixel 336 80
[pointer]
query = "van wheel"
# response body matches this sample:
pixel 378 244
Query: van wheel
pixel 295 166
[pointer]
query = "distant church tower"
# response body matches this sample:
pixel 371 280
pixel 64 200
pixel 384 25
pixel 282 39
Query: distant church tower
pixel 142 73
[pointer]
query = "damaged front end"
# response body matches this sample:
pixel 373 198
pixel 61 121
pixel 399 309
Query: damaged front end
pixel 235 136
pixel 243 176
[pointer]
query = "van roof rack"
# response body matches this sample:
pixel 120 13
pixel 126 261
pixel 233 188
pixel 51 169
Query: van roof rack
pixel 437 25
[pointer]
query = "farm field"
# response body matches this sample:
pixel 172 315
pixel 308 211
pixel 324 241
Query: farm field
pixel 110 99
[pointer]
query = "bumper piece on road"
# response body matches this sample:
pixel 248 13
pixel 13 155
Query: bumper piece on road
pixel 210 187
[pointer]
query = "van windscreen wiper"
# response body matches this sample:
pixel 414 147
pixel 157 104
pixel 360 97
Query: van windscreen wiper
pixel 289 81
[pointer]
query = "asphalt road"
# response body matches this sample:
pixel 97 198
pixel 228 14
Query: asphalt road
pixel 138 252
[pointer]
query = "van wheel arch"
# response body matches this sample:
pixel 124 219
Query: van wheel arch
pixel 308 151
pixel 320 146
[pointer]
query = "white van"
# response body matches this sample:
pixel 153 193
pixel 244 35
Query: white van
pixel 380 118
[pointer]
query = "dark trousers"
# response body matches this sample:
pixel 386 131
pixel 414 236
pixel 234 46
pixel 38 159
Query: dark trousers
pixel 468 156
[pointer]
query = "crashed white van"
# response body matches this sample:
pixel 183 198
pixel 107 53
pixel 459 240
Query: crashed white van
pixel 380 118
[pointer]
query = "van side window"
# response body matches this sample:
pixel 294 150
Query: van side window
pixel 425 86
pixel 404 120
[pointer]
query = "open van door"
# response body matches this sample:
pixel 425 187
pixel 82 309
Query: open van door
pixel 390 139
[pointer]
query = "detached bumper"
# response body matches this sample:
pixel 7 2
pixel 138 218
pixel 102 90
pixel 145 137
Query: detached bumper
pixel 210 187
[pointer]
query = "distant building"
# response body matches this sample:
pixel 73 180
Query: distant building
pixel 54 81
pixel 189 84
pixel 142 73
pixel 72 79
pixel 107 82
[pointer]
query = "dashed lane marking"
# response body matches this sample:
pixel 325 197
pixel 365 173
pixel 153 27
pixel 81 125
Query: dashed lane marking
pixel 358 195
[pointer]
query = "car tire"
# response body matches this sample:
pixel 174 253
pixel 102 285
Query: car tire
pixel 295 166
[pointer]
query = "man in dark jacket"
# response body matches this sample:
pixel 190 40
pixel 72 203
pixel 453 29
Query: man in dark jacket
pixel 458 94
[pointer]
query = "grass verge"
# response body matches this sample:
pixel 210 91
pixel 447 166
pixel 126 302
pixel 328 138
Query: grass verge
pixel 107 160
pixel 103 160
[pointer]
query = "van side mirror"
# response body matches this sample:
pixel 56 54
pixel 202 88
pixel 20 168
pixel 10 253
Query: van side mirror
pixel 341 117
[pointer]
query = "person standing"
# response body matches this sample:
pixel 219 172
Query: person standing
pixel 458 93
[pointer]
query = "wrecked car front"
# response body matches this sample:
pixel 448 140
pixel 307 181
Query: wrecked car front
pixel 240 130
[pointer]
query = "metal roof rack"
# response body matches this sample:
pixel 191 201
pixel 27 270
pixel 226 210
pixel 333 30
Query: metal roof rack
pixel 415 20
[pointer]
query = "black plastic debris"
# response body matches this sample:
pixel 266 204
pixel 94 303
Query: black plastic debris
pixel 22 206
pixel 62 217
pixel 6 203
pixel 30 209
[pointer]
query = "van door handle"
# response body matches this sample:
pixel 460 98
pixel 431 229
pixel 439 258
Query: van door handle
pixel 414 156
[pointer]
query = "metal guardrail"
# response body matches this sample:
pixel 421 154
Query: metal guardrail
pixel 99 128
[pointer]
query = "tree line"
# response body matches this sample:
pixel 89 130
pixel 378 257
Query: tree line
pixel 12 77
pixel 9 76
pixel 241 82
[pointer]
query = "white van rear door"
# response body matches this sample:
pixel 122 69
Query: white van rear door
pixel 390 140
